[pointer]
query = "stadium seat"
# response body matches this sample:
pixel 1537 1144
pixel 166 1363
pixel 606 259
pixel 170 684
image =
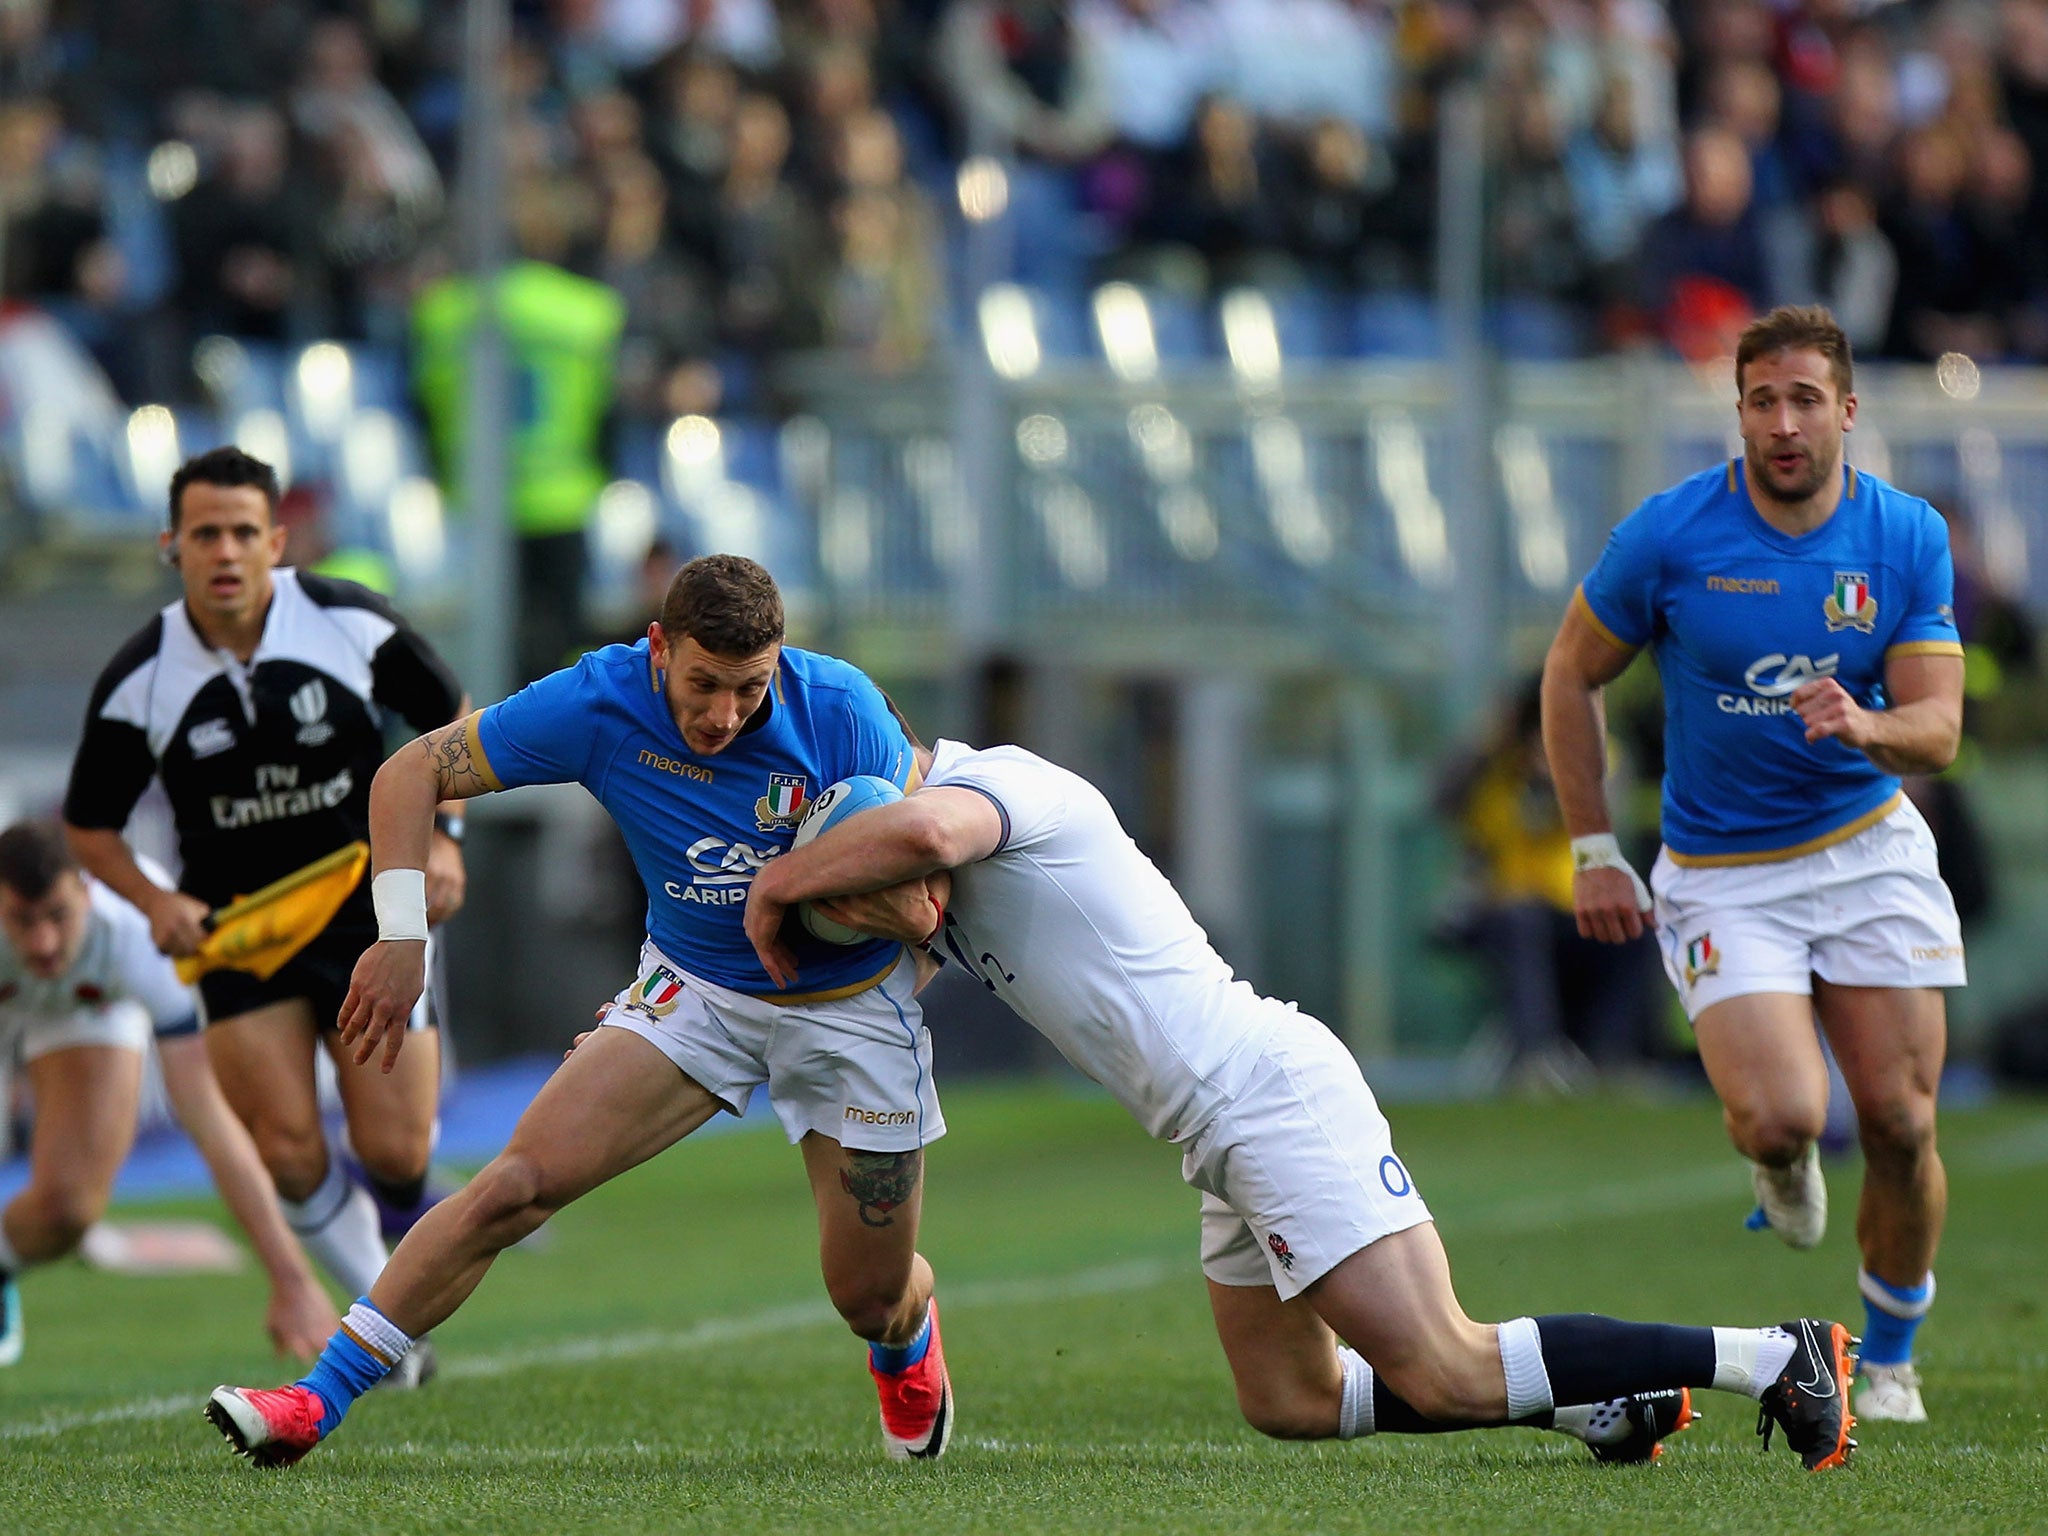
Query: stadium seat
pixel 1535 330
pixel 1066 329
pixel 1397 325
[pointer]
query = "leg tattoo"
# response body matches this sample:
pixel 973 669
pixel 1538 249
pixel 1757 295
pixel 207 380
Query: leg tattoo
pixel 879 1182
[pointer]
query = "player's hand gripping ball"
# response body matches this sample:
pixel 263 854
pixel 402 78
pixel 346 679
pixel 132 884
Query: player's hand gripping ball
pixel 849 797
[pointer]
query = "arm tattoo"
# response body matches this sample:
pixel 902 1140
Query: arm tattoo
pixel 880 1182
pixel 456 775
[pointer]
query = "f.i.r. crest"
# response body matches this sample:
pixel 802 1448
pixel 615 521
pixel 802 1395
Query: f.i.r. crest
pixel 1850 605
pixel 783 806
pixel 1701 959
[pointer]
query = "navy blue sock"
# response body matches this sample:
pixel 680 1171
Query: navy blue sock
pixel 1392 1416
pixel 1592 1359
pixel 892 1358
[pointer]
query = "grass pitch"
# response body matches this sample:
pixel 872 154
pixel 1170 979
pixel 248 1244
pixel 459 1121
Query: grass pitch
pixel 668 1363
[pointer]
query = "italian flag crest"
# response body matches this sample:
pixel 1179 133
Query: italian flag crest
pixel 1850 605
pixel 1701 958
pixel 658 990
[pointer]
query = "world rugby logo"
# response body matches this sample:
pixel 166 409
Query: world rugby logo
pixel 309 708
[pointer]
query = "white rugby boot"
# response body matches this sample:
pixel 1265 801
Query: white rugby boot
pixel 1890 1393
pixel 1794 1200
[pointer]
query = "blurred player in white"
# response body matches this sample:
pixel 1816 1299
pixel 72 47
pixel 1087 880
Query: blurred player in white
pixel 1799 612
pixel 1312 1229
pixel 82 990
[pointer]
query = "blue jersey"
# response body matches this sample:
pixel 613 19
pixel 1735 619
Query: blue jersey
pixel 1738 616
pixel 700 828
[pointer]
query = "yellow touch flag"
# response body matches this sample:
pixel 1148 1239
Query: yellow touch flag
pixel 257 933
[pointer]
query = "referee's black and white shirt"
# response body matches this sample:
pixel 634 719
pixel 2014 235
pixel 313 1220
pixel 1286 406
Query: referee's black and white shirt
pixel 266 765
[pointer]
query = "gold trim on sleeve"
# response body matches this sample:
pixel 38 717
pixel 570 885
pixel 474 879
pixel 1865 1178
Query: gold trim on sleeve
pixel 1579 602
pixel 473 739
pixel 1923 648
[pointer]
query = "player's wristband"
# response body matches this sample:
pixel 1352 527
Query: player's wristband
pixel 400 897
pixel 1599 850
pixel 449 825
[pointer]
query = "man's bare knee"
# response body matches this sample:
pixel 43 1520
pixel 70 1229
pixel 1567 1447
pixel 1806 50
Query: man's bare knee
pixel 1291 1412
pixel 1898 1134
pixel 394 1155
pixel 1775 1135
pixel 295 1156
pixel 508 1200
pixel 60 1217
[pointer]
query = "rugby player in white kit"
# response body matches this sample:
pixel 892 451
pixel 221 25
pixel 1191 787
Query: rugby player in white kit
pixel 1331 1292
pixel 82 992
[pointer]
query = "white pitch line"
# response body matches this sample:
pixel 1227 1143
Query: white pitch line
pixel 1106 1280
pixel 2025 1146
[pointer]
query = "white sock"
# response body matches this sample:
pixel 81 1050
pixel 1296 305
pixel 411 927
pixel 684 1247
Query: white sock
pixel 338 1225
pixel 1521 1360
pixel 1594 1423
pixel 377 1333
pixel 1748 1360
pixel 10 1261
pixel 1354 1413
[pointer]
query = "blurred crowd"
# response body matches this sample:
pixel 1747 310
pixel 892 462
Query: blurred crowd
pixel 759 177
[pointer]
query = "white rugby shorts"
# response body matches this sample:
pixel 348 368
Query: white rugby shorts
pixel 1869 911
pixel 1298 1172
pixel 124 1023
pixel 857 1069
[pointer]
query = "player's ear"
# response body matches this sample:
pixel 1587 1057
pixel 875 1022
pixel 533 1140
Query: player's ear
pixel 167 548
pixel 1849 411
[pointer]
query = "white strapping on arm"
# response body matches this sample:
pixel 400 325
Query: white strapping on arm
pixel 1599 850
pixel 400 897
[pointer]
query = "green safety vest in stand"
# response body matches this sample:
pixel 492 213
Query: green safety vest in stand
pixel 561 346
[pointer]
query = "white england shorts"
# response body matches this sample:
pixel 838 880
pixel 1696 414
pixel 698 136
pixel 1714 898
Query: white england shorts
pixel 25 1036
pixel 1869 911
pixel 1298 1172
pixel 857 1069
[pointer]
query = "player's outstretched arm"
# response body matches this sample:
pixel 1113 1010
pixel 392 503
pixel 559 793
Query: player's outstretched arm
pixel 444 764
pixel 1918 732
pixel 300 1318
pixel 1608 897
pixel 933 829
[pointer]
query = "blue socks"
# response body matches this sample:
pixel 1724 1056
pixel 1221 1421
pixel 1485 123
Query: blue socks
pixel 1892 1316
pixel 359 1356
pixel 892 1358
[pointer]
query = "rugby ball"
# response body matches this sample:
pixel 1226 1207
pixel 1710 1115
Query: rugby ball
pixel 849 797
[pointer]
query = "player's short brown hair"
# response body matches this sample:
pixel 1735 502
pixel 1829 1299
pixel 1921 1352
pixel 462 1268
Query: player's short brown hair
pixel 228 466
pixel 726 603
pixel 33 857
pixel 1800 326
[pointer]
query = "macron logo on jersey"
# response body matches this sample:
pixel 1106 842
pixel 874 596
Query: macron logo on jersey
pixel 1771 678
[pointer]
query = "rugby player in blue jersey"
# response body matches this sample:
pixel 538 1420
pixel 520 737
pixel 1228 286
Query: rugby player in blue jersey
pixel 705 742
pixel 1798 610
